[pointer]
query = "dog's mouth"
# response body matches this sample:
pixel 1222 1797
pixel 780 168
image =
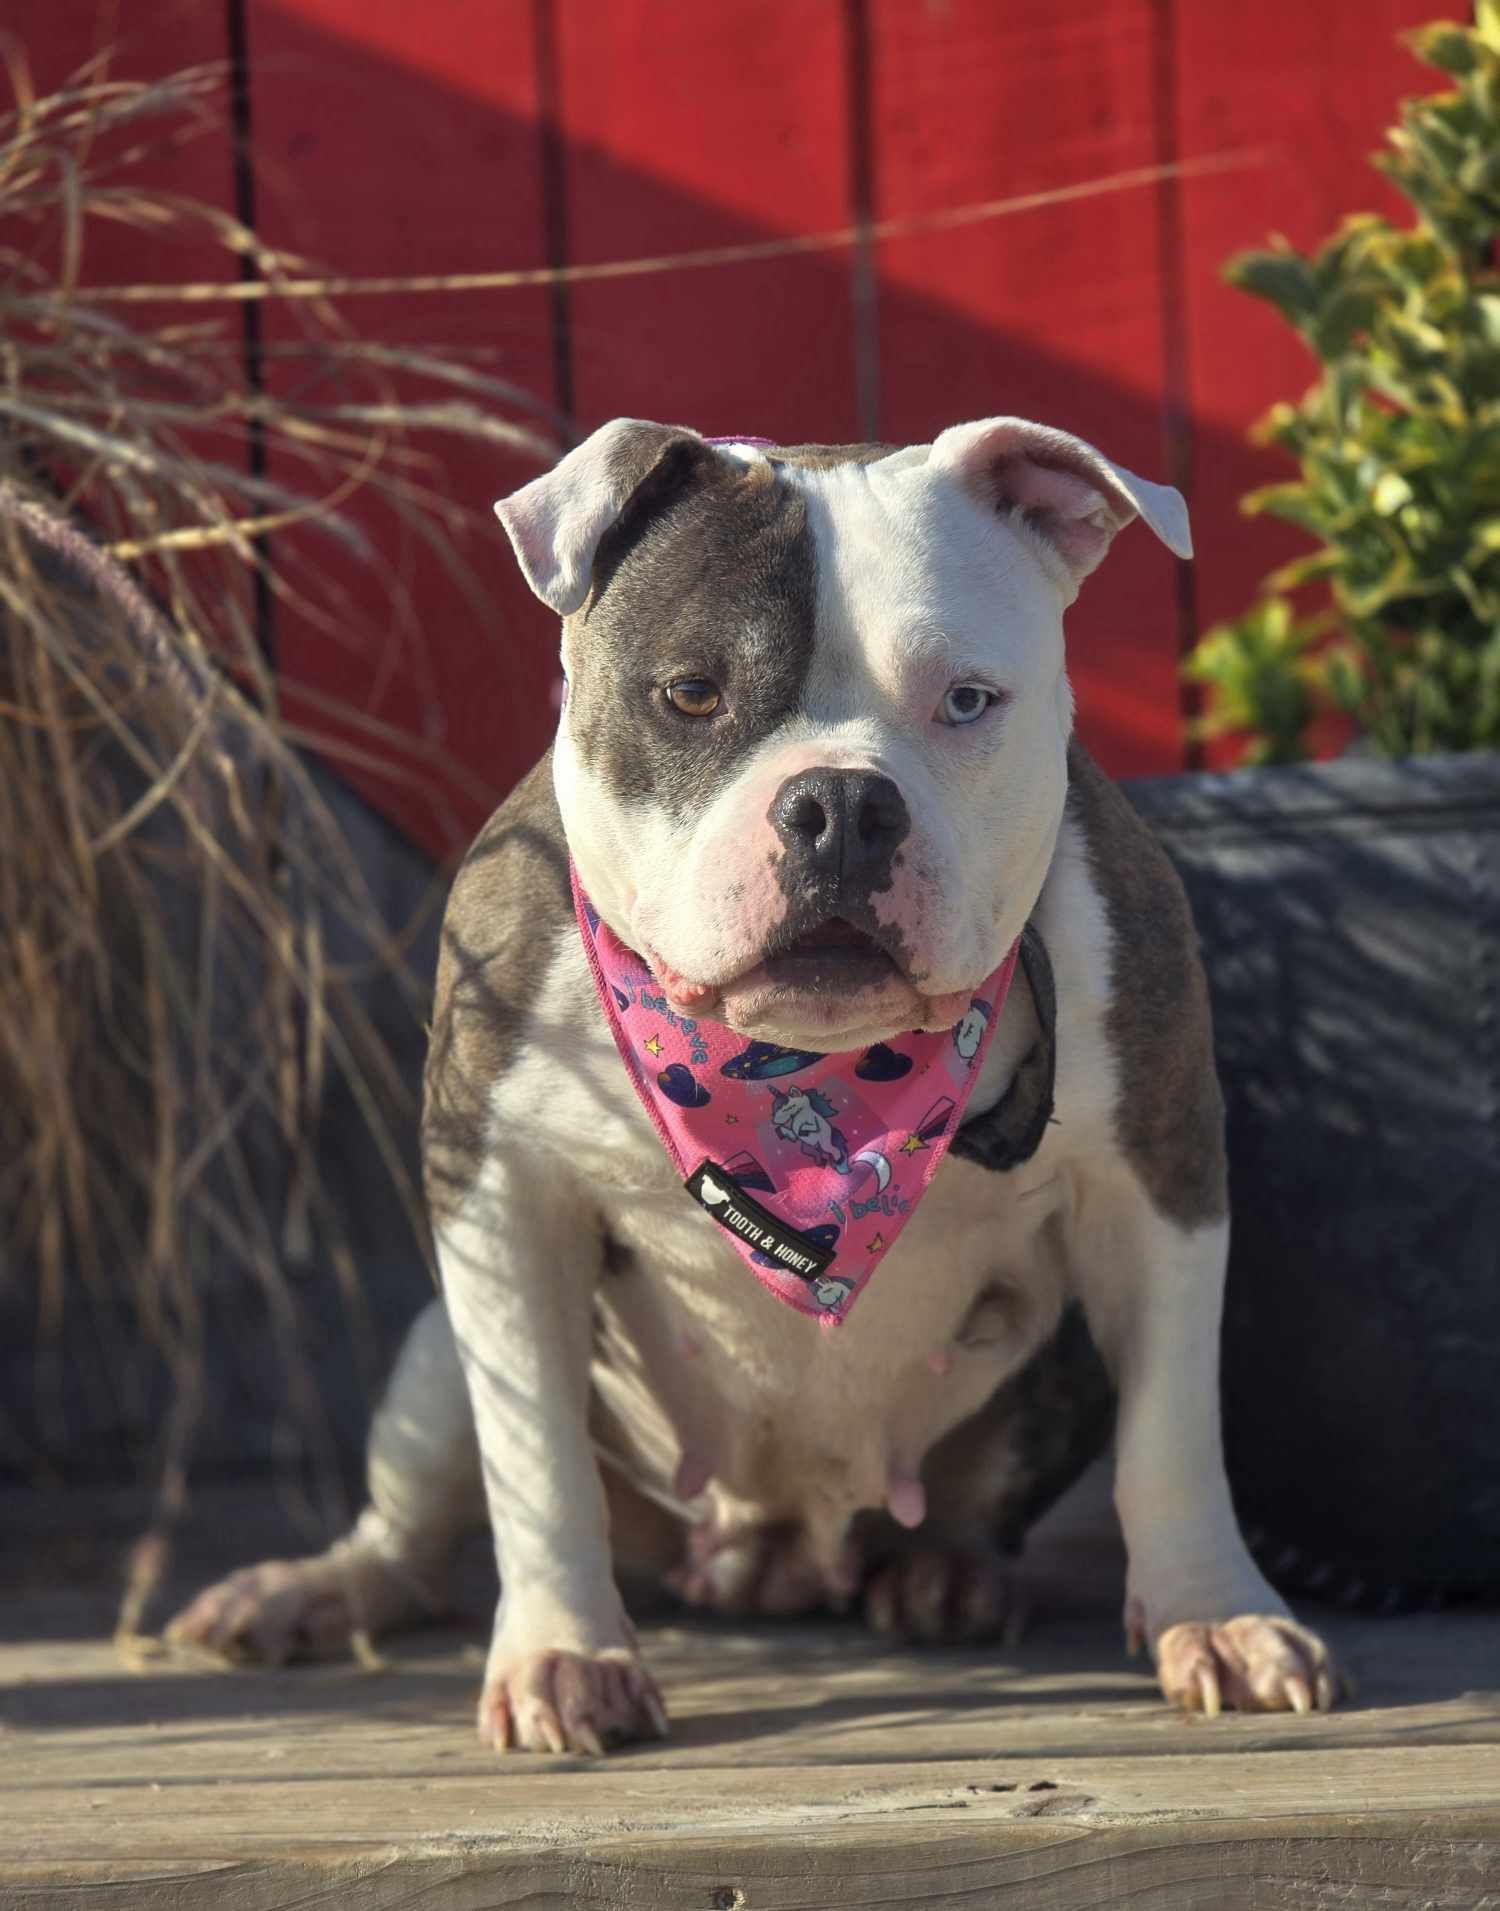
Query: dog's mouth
pixel 833 954
pixel 815 981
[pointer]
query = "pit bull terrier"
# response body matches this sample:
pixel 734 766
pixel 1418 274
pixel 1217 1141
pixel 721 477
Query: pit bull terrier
pixel 815 796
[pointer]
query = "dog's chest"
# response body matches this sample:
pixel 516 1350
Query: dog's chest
pixel 702 1372
pixel 698 1363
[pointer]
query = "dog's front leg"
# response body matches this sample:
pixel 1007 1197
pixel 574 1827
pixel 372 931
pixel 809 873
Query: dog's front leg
pixel 1153 1292
pixel 520 1258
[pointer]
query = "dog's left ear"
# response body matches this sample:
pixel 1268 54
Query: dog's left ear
pixel 1065 490
pixel 556 522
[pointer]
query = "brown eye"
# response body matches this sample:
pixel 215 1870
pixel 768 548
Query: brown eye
pixel 694 696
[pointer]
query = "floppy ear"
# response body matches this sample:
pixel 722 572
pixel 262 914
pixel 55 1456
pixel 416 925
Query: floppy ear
pixel 555 522
pixel 1064 489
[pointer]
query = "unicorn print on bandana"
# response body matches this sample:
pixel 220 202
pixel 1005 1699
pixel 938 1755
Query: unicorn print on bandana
pixel 970 1029
pixel 805 1116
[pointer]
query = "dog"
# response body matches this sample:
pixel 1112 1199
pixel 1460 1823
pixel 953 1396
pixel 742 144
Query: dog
pixel 816 767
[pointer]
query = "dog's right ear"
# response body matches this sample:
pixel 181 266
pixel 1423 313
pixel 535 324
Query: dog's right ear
pixel 556 522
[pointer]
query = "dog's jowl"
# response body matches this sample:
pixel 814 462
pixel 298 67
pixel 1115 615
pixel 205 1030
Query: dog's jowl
pixel 730 1005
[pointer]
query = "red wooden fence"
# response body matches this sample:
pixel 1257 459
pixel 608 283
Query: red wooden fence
pixel 1132 145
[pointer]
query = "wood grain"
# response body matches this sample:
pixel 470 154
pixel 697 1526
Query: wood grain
pixel 808 1768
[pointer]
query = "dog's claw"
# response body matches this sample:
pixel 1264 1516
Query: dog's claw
pixel 310 1608
pixel 1259 1662
pixel 943 1598
pixel 569 1701
pixel 494 1723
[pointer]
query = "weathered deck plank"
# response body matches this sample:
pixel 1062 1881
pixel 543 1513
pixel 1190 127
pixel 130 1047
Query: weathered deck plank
pixel 808 1767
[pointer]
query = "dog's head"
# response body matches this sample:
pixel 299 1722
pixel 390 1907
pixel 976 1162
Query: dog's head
pixel 812 762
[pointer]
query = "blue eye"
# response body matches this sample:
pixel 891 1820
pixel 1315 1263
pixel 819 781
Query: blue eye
pixel 966 703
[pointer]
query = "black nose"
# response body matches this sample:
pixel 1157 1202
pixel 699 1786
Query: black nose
pixel 840 823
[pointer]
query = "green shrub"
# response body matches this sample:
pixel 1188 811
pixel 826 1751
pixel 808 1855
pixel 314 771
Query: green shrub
pixel 1398 445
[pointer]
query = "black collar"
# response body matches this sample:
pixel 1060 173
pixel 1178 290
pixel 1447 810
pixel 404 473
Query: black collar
pixel 1011 1132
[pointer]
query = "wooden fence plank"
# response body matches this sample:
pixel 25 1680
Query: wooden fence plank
pixel 399 140
pixel 693 127
pixel 1051 314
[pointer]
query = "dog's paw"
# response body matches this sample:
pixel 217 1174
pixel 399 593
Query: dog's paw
pixel 288 1609
pixel 943 1598
pixel 754 1572
pixel 1263 1663
pixel 569 1702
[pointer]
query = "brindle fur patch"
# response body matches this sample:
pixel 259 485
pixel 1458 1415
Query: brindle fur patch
pixel 510 905
pixel 994 1475
pixel 1170 1113
pixel 1048 1422
pixel 709 572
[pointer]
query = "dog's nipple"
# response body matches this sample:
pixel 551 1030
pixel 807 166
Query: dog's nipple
pixel 694 1471
pixel 905 1500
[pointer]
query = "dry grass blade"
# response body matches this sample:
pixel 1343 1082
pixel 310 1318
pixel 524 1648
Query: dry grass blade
pixel 184 930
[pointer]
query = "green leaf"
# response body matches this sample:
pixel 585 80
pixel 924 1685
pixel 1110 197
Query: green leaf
pixel 1298 503
pixel 1261 684
pixel 1480 172
pixel 1305 570
pixel 1444 46
pixel 1283 277
pixel 1396 447
pixel 1487 313
pixel 1340 320
pixel 1390 493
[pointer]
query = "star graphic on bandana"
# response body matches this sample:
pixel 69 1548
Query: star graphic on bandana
pixel 912 1144
pixel 653 1046
pixel 731 1121
pixel 876 1244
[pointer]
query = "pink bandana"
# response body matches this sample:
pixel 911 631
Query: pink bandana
pixel 811 1164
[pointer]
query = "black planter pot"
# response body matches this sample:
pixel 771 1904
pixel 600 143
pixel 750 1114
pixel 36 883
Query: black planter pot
pixel 1350 920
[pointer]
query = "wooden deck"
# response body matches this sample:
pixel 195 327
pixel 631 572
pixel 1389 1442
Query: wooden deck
pixel 807 1768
